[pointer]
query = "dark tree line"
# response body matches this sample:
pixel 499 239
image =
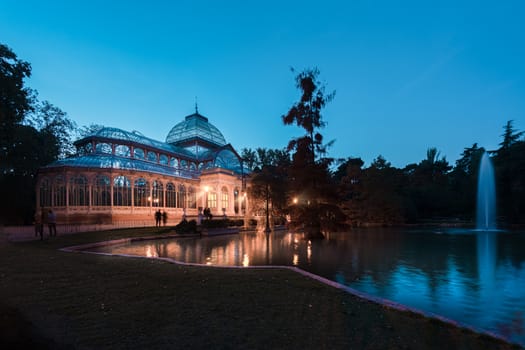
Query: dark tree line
pixel 320 195
pixel 433 189
pixel 33 133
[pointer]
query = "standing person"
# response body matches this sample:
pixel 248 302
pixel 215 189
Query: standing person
pixel 157 218
pixel 164 218
pixel 43 221
pixel 39 225
pixel 52 223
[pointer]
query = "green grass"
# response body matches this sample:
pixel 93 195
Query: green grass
pixel 54 299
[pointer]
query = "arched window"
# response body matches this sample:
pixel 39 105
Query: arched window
pixel 101 191
pixel 103 148
pixel 121 191
pixel 181 197
pixel 183 163
pixel 193 166
pixel 123 151
pixel 59 191
pixel 192 198
pixel 163 159
pixel 212 200
pixel 224 198
pixel 152 157
pixel 45 193
pixel 157 193
pixel 139 153
pixel 141 195
pixel 78 191
pixel 174 162
pixel 171 195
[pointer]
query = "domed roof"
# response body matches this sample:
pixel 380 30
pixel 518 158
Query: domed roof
pixel 195 127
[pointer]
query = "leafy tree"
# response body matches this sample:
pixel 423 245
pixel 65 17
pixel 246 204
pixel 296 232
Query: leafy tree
pixel 306 114
pixel 89 129
pixel 269 181
pixel 310 181
pixel 15 102
pixel 32 134
pixel 249 158
pixel 55 124
pixel 349 177
pixel 463 181
pixel 382 197
pixel 429 185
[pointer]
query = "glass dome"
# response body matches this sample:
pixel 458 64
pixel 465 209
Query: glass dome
pixel 195 127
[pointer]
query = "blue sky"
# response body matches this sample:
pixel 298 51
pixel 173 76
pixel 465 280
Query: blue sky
pixel 408 75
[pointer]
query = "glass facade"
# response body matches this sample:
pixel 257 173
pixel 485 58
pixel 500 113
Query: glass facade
pixel 125 173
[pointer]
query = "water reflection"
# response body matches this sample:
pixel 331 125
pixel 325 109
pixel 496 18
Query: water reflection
pixel 477 278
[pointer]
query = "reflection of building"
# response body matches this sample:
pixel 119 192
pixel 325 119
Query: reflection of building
pixel 119 176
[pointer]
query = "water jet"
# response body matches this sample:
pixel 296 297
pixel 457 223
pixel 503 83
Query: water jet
pixel 486 205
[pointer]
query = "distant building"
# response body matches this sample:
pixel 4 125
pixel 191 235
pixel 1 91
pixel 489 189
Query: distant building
pixel 124 177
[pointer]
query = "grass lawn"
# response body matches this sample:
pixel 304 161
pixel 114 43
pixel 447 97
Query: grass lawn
pixel 59 300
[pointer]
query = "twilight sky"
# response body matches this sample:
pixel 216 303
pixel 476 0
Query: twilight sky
pixel 408 75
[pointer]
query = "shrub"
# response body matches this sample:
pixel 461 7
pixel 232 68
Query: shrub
pixel 186 227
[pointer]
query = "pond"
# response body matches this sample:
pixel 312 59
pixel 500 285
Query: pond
pixel 475 278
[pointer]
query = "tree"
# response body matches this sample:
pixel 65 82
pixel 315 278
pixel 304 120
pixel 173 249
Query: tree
pixel 382 199
pixel 463 181
pixel 510 137
pixel 349 177
pixel 314 195
pixel 89 129
pixel 15 101
pixel 57 127
pixel 269 182
pixel 510 179
pixel 249 158
pixel 32 134
pixel 429 187
pixel 306 114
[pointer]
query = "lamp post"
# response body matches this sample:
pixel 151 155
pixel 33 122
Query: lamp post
pixel 206 189
pixel 268 229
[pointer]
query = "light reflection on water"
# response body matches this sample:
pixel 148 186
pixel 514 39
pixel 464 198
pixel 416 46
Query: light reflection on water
pixel 476 278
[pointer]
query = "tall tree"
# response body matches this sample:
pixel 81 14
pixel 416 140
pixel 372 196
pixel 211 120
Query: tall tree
pixel 510 168
pixel 463 182
pixel 15 102
pixel 306 114
pixel 315 207
pixel 32 134
pixel 510 136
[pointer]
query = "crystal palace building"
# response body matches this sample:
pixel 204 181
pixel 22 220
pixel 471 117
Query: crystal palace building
pixel 122 177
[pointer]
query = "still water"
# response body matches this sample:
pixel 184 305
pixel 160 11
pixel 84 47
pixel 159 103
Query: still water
pixel 476 278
